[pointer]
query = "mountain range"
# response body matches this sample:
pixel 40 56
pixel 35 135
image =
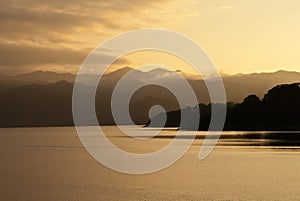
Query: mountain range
pixel 45 98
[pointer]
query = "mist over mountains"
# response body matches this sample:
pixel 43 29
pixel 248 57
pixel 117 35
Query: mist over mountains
pixel 45 98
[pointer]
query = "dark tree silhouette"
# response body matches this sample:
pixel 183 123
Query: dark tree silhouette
pixel 278 110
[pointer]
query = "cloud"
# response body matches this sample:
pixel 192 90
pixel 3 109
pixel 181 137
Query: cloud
pixel 20 56
pixel 37 33
pixel 37 17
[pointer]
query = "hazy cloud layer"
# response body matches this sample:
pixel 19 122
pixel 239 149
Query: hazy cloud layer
pixel 35 33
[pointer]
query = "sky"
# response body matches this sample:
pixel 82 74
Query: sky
pixel 240 36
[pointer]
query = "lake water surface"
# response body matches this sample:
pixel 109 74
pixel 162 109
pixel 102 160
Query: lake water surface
pixel 51 164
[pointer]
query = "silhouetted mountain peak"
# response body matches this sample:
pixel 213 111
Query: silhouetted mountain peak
pixel 45 76
pixel 266 73
pixel 124 70
pixel 63 83
pixel 159 70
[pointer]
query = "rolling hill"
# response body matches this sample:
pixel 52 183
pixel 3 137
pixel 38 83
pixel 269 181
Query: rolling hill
pixel 45 98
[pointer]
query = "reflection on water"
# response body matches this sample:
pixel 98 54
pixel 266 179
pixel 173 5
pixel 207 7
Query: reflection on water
pixel 268 139
pixel 51 164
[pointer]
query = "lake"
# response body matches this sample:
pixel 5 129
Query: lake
pixel 52 164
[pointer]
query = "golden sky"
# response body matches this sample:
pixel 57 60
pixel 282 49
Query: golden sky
pixel 241 36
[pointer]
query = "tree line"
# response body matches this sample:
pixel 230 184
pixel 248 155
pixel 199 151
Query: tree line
pixel 279 109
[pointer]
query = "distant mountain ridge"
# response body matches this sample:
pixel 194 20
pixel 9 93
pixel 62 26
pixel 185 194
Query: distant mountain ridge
pixel 51 77
pixel 45 98
pixel 237 86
